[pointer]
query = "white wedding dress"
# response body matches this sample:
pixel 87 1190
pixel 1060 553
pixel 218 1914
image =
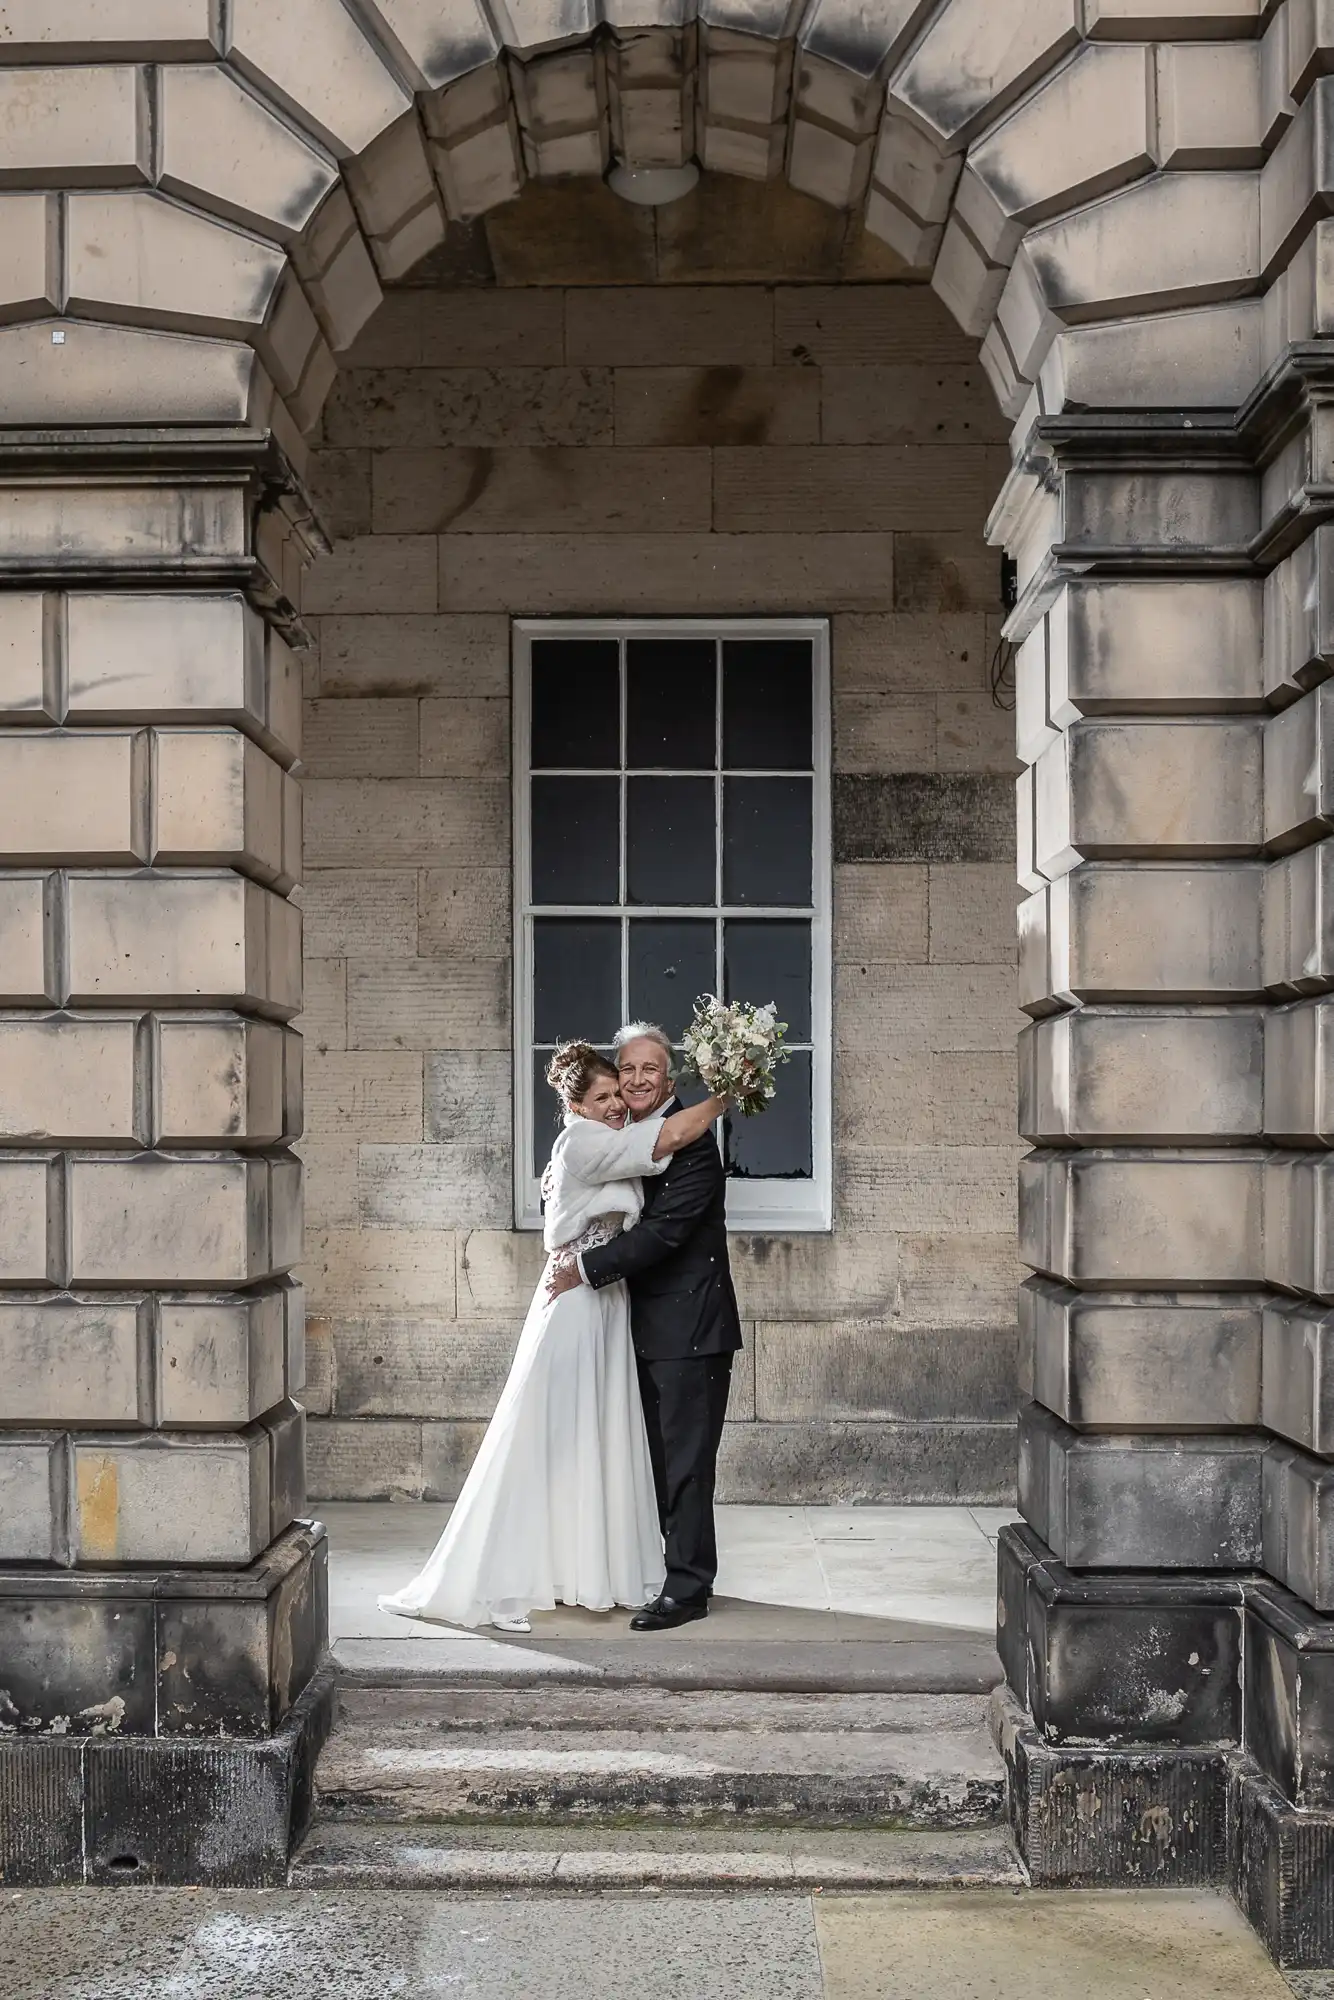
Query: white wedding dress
pixel 559 1507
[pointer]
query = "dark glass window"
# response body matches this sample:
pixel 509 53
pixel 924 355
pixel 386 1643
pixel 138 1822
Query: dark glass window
pixel 672 961
pixel 768 711
pixel 576 714
pixel 576 840
pixel 671 696
pixel 672 793
pixel 670 844
pixel 767 841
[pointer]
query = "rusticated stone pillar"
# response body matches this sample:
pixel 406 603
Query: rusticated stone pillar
pixel 162 1605
pixel 1164 1615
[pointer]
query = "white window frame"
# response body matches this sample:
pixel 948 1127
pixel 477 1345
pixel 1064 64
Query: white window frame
pixel 773 1205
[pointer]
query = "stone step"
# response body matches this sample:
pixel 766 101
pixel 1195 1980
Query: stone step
pixel 581 1754
pixel 582 1859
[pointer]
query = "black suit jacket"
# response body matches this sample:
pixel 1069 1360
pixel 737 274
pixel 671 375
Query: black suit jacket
pixel 674 1261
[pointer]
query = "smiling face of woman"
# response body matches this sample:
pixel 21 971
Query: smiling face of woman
pixel 603 1102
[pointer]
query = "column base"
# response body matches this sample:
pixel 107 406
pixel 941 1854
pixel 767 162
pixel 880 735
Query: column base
pixel 104 1810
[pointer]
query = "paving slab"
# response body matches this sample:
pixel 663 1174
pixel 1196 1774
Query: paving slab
pixel 989 1946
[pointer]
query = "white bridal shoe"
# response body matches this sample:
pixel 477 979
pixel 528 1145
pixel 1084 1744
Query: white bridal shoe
pixel 499 1623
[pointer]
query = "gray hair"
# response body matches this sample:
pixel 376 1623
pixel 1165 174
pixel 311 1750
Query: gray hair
pixel 645 1031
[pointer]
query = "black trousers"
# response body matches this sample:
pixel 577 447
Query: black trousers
pixel 685 1403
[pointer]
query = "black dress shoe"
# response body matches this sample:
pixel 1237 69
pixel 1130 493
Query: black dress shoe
pixel 664 1612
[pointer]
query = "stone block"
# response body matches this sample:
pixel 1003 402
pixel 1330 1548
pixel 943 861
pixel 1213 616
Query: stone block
pixel 66 1080
pixel 33 1526
pixel 1146 1361
pixel 1111 20
pixel 465 737
pixel 163 1219
pixel 361 739
pixel 1299 1073
pixel 697 327
pixel 375 573
pixel 1106 1076
pixel 797 1278
pixel 909 652
pixel 331 1182
pixel 366 1096
pixel 317 61
pixel 875 732
pixel 1204 357
pixel 324 1019
pixel 225 150
pixel 390 1366
pixel 849 488
pixel 1289 1684
pixel 724 404
pixel 849 1464
pixel 865 326
pixel 26 288
pixel 286 1427
pixel 435 1187
pixel 364 1461
pixel 881 913
pixel 1298 1385
pixel 958 1278
pixel 973 734
pixel 922 816
pixel 142 255
pixel 972 909
pixel 867 1370
pixel 694 575
pixel 1299 1524
pixel 448 1450
pixel 77 798
pixel 220 1362
pixel 176 658
pixel 29 1198
pixel 587 490
pixel 1112 510
pixel 388 655
pixel 355 1271
pixel 1210 105
pixel 905 403
pixel 498 1271
pixel 397 199
pixel 1137 1501
pixel 71 1359
pixel 28 690
pixel 1156 931
pixel 428 1004
pixel 407 823
pixel 357 912
pixel 210 940
pixel 1299 771
pixel 129 524
pixel 465 913
pixel 1299 922
pixel 221 1082
pixel 171 1498
pixel 1188 790
pixel 1150 1218
pixel 1299 618
pixel 219 800
pixel 472 408
pixel 920 1190
pixel 468 1097
pixel 75 127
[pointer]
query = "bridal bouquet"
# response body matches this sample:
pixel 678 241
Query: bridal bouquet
pixel 734 1050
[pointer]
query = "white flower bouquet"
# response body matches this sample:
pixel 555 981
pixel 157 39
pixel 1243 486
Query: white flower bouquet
pixel 734 1050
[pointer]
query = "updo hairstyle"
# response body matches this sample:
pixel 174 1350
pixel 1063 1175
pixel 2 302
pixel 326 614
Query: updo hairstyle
pixel 574 1069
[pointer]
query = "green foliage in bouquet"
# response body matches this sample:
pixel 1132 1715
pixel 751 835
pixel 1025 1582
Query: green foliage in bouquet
pixel 734 1050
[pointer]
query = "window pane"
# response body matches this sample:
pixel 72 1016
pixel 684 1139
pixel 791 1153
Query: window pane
pixel 576 704
pixel 768 961
pixel 576 979
pixel 776 1145
pixel 671 704
pixel 576 840
pixel 670 840
pixel 671 963
pixel 767 840
pixel 767 704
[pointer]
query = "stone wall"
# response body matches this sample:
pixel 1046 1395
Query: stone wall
pixel 827 450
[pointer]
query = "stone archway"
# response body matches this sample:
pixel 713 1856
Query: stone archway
pixel 1125 201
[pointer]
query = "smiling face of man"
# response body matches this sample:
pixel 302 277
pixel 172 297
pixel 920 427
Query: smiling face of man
pixel 644 1074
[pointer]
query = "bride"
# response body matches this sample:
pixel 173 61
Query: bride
pixel 559 1505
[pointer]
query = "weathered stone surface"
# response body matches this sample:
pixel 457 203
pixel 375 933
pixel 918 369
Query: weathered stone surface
pixel 881 914
pixel 1150 1218
pixel 922 817
pixel 171 1499
pixel 435 1187
pixel 81 798
pixel 1298 1389
pixel 465 913
pixel 220 1362
pixel 497 1272
pixel 384 1270
pixel 159 1219
pixel 74 1360
pixel 1148 1360
pixel 1102 1076
pixel 426 822
pixel 1299 1524
pixel 69 1081
pixel 1169 789
pixel 1136 1501
pixel 208 939
pixel 1299 922
pixel 825 1464
pixel 406 655
pixel 29 1189
pixel 476 408
pixel 75 126
pixel 1145 931
pixel 356 912
pixel 365 1461
pixel 870 1370
pixel 552 490
pixel 33 1523
pixel 1299 772
pixel 366 1095
pixel 429 1004
pixel 392 1366
pixel 727 404
pixel 1299 1072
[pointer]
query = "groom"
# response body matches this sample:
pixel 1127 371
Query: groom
pixel 685 1327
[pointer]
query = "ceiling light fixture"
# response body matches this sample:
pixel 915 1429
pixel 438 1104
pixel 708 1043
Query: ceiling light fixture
pixel 652 187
